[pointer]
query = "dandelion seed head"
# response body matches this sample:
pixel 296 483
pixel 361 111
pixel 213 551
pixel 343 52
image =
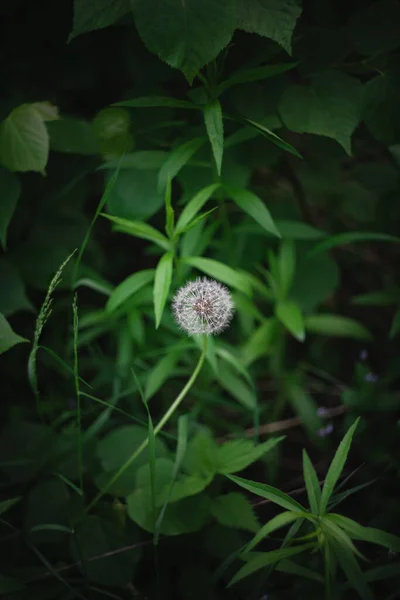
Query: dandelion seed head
pixel 203 306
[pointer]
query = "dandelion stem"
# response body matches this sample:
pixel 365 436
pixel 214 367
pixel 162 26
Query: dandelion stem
pixel 174 406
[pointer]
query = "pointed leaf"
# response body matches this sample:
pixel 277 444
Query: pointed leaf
pixel 336 467
pixel 236 455
pixel 291 317
pixel 352 237
pixel 90 16
pixel 159 374
pixel 276 523
pixel 336 326
pixel 177 159
pixel 128 288
pixel 234 510
pixel 220 271
pixel 312 484
pixel 194 206
pixel 10 190
pixel 140 230
pixel 366 534
pixel 215 131
pixel 267 491
pixel 350 566
pixel 253 206
pixel 162 283
pixel 8 338
pixel 273 137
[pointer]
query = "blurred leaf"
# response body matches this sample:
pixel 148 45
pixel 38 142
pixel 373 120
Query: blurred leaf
pixel 381 298
pixel 291 317
pixel 336 467
pixel 350 238
pixel 10 190
pixel 142 160
pixel 162 283
pixel 315 280
pixel 236 387
pixel 8 338
pixel 155 102
pixel 395 327
pixel 216 269
pixel 277 522
pixel 286 267
pixel 24 140
pixel 177 159
pixel 135 194
pixel 296 230
pixel 312 484
pixel 253 206
pixel 350 566
pixel 273 137
pixel 194 206
pixel 6 504
pixel 159 374
pixel 330 106
pixel 169 212
pixel 336 326
pixel 89 16
pixel 128 288
pixel 215 131
pixel 186 36
pixel 373 28
pixel 254 74
pixel 304 405
pixel 74 136
pixel 274 19
pixel 234 510
pixel 236 455
pixel 366 534
pixel 140 230
pixel 260 343
pixel 13 298
pixel 270 493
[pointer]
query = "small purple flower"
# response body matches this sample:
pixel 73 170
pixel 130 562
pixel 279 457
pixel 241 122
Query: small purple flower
pixel 322 411
pixel 363 355
pixel 325 431
pixel 371 378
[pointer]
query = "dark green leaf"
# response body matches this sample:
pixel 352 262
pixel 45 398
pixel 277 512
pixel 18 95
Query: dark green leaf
pixel 236 455
pixel 162 283
pixel 234 510
pixel 312 484
pixel 277 522
pixel 89 16
pixel 270 493
pixel 273 137
pixel 194 206
pixel 253 206
pixel 337 326
pixel 366 534
pixel 255 74
pixel 8 338
pixel 178 159
pixel 350 238
pixel 10 190
pixel 128 288
pixel 215 131
pixel 73 136
pixel 220 271
pixel 291 317
pixel 140 230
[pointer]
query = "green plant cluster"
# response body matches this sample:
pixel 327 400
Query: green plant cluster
pixel 147 143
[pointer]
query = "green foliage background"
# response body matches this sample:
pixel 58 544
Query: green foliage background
pixel 152 141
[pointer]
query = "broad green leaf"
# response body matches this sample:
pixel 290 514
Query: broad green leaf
pixel 330 105
pixel 236 455
pixel 312 484
pixel 194 206
pixel 254 74
pixel 111 122
pixel 185 35
pixel 336 467
pixel 157 102
pixel 234 510
pixel 140 230
pixel 277 522
pixel 350 566
pixel 303 404
pixel 162 283
pixel 10 190
pixel 73 136
pixel 186 486
pixel 366 534
pixel 159 374
pixel 216 269
pixel 291 317
pixel 24 140
pixel 6 504
pixel 267 558
pixel 177 159
pixel 336 326
pixel 273 137
pixel 270 493
pixel 128 288
pixel 352 237
pixel 253 206
pixel 274 19
pixel 135 195
pixel 8 338
pixel 90 16
pixel 240 390
pixel 215 131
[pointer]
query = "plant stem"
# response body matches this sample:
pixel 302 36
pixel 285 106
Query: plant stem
pixel 157 428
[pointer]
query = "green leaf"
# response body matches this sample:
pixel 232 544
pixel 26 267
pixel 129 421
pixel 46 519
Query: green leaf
pixel 277 522
pixel 177 159
pixel 254 74
pixel 274 19
pixel 194 206
pixel 73 136
pixel 90 16
pixel 253 206
pixel 234 510
pixel 24 140
pixel 303 404
pixel 336 533
pixel 216 269
pixel 373 29
pixel 273 137
pixel 140 230
pixel 236 455
pixel 6 504
pixel 260 343
pixel 351 568
pixel 237 387
pixel 315 280
pixel 336 467
pixel 336 326
pixel 366 534
pixel 291 317
pixel 8 338
pixel 215 131
pixel 162 283
pixel 329 106
pixel 270 493
pixel 142 160
pixel 10 190
pixel 312 484
pixel 169 211
pixel 157 102
pixel 350 238
pixel 159 374
pixel 15 299
pixel 135 195
pixel 267 558
pixel 288 566
pixel 186 35
pixel 286 264
pixel 296 230
pixel 395 326
pixel 128 288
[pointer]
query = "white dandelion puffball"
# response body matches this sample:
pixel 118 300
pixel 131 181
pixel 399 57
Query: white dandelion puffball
pixel 203 306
